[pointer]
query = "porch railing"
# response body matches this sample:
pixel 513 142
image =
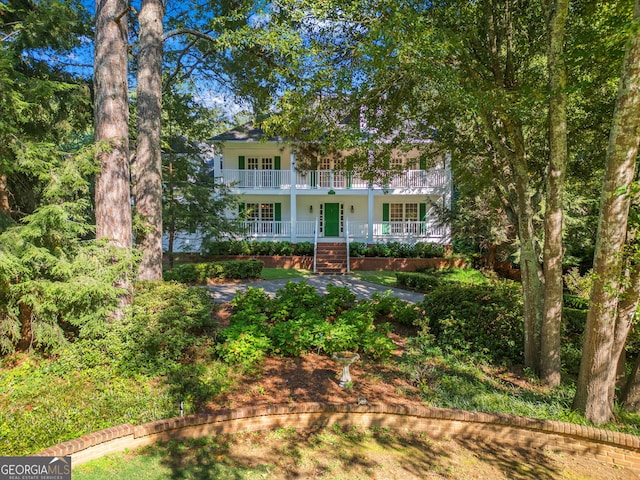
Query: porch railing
pixel 357 231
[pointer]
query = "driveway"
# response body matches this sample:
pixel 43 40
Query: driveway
pixel 363 290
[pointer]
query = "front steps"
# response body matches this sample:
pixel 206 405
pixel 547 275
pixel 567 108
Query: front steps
pixel 331 258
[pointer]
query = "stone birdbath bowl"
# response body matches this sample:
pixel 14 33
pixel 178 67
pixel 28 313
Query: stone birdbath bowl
pixel 345 359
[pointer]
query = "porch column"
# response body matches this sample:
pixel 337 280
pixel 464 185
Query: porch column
pixel 293 199
pixel 370 214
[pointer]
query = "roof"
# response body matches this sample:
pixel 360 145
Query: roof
pixel 245 133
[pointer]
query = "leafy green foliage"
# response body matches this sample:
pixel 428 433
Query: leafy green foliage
pixel 484 320
pixel 54 284
pixel 397 250
pixel 429 279
pixel 201 272
pixel 299 320
pixel 456 381
pixel 133 371
pixel 247 247
pixel 167 322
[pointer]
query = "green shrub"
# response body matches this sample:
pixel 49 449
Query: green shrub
pixel 201 272
pixel 299 320
pixel 166 322
pixel 386 305
pixel 303 249
pixel 304 333
pixel 355 330
pixel 419 282
pixel 357 249
pixel 243 345
pixel 481 319
pixel 378 250
pixel 429 250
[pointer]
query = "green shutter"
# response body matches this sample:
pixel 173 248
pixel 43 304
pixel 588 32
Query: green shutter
pixel 386 228
pixel 242 208
pixel 423 217
pixel 423 162
pixel 276 163
pixel 241 162
pixel 277 216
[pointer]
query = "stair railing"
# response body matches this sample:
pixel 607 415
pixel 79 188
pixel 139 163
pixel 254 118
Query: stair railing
pixel 348 256
pixel 315 246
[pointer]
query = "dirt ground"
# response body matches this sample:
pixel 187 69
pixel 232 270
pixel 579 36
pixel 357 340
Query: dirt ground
pixel 314 378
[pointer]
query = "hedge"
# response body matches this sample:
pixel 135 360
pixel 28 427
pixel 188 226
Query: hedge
pixel 201 272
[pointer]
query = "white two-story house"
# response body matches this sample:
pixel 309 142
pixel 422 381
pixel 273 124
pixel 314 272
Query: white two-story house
pixel 284 200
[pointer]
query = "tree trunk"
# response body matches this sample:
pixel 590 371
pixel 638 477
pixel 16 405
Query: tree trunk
pixel 631 393
pixel 113 200
pixel 148 166
pixel 627 308
pixel 550 366
pixel 530 269
pixel 532 287
pixel 26 327
pixel 5 207
pixel 598 368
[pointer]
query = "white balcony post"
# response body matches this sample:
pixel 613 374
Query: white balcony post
pixel 293 198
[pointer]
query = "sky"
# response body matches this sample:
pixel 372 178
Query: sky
pixel 80 62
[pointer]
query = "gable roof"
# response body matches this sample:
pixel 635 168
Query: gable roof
pixel 246 133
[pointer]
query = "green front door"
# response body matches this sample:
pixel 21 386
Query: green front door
pixel 331 219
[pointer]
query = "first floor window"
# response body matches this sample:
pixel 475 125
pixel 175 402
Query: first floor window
pixel 402 217
pixel 263 216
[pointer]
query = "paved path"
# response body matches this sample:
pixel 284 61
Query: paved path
pixel 363 290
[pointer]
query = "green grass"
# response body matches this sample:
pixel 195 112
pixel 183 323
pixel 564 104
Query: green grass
pixel 40 407
pixel 388 279
pixel 278 273
pixel 384 278
pixel 189 459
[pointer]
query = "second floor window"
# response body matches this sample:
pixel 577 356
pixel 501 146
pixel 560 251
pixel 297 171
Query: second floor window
pixel 256 163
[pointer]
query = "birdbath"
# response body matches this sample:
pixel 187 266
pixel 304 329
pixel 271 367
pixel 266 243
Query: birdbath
pixel 345 359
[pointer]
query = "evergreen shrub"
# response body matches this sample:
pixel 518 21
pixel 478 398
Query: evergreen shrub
pixel 201 272
pixel 478 319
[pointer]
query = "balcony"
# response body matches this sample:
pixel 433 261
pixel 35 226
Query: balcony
pixel 435 179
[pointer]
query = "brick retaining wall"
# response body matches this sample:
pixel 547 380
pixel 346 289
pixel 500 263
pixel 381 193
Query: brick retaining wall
pixel 357 263
pixel 609 447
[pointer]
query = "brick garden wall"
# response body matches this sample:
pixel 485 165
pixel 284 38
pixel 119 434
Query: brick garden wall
pixel 609 447
pixel 357 263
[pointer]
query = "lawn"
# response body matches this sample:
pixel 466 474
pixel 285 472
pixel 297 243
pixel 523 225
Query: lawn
pixel 388 279
pixel 279 273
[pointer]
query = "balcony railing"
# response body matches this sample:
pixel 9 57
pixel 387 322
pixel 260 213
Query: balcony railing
pixel 331 179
